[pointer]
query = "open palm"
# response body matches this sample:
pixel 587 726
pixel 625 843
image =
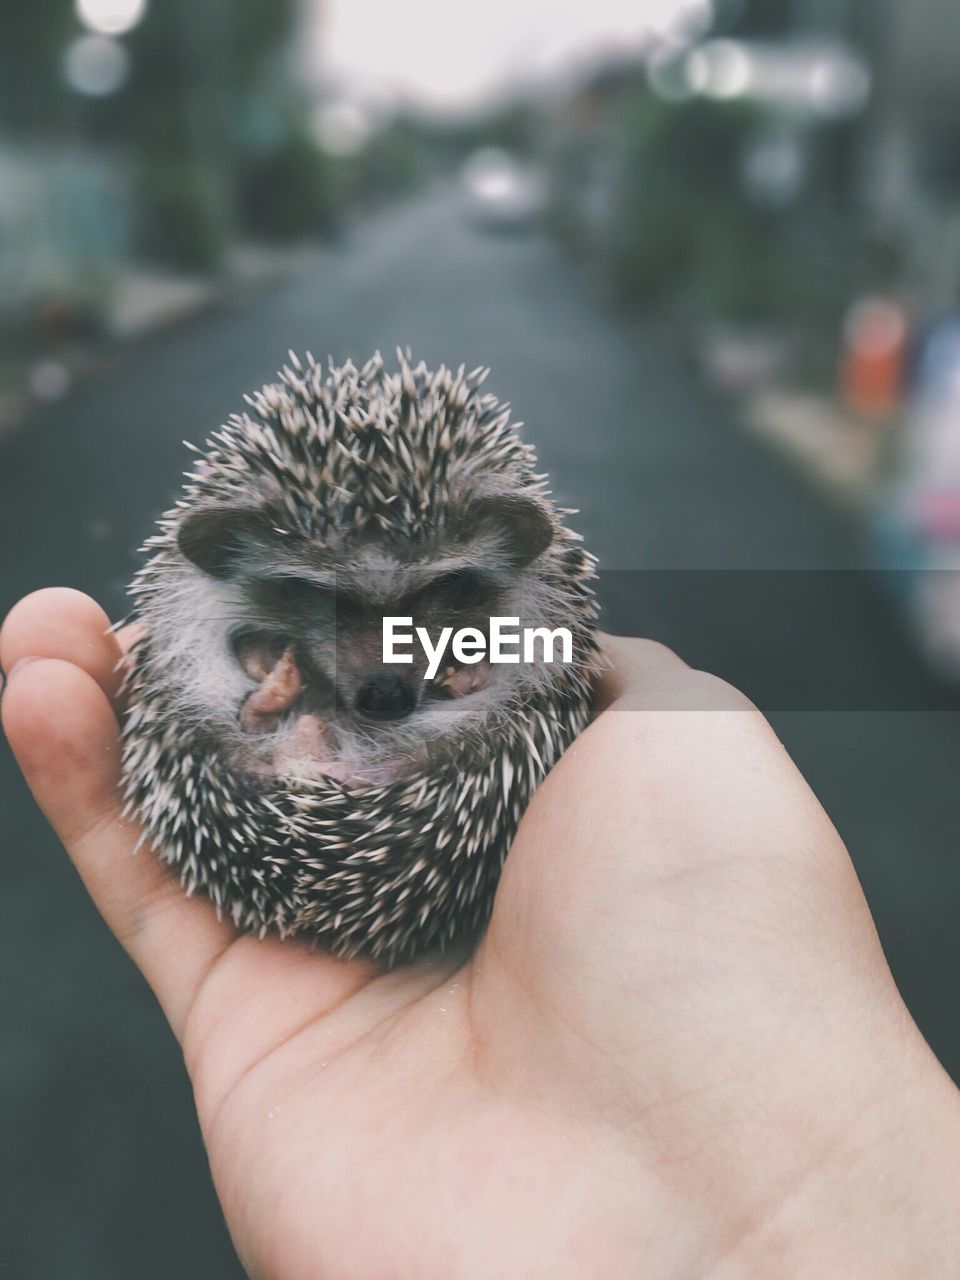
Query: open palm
pixel 646 1067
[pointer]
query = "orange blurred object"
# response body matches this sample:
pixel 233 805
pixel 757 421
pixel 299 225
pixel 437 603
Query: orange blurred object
pixel 873 359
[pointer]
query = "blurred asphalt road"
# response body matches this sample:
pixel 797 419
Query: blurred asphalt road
pixel 103 1170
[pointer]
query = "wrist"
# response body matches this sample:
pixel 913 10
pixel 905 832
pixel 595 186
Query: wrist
pixel 881 1198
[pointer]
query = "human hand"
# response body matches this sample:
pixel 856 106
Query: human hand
pixel 677 1051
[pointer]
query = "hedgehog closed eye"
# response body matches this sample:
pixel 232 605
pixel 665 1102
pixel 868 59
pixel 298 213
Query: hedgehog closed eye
pixel 271 755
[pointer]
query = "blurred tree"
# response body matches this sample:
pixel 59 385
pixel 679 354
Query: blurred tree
pixel 685 232
pixel 287 188
pixel 33 95
pixel 765 18
pixel 397 159
pixel 681 226
pixel 202 70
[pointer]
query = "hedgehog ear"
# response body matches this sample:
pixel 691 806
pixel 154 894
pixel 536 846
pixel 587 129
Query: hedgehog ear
pixel 523 522
pixel 215 539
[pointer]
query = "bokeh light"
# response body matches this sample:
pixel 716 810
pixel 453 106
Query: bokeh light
pixel 96 66
pixel 838 85
pixel 111 17
pixel 720 69
pixel 49 379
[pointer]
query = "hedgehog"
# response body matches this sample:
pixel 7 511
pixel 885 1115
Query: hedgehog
pixel 270 754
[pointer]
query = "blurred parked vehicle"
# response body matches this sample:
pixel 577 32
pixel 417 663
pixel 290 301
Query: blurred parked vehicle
pixel 916 532
pixel 501 191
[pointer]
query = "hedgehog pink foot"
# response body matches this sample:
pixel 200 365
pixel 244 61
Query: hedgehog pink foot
pixel 280 688
pixel 457 682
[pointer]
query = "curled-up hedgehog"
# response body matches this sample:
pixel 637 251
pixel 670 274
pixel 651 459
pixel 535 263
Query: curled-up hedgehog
pixel 271 755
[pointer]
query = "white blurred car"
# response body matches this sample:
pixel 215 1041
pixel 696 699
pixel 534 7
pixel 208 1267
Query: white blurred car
pixel 501 191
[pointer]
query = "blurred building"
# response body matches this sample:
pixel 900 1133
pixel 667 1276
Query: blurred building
pixel 911 156
pixel 900 160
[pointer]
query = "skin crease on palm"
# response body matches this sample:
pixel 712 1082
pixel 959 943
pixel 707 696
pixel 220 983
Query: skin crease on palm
pixel 677 1052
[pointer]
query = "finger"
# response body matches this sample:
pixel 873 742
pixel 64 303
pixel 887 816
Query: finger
pixel 63 732
pixel 61 623
pixel 636 669
pixel 638 768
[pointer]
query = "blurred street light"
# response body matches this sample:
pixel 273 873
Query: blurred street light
pixel 111 17
pixel 812 78
pixel 720 69
pixel 96 66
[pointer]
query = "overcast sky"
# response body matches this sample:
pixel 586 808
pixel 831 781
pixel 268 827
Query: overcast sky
pixel 448 54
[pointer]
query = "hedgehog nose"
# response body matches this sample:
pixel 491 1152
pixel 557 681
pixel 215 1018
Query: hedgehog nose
pixel 386 697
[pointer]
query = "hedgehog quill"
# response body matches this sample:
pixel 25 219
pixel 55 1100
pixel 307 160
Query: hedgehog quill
pixel 271 754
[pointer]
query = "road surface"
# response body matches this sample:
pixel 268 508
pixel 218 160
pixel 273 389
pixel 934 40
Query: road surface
pixel 706 541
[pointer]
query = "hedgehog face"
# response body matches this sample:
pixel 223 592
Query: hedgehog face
pixel 302 620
